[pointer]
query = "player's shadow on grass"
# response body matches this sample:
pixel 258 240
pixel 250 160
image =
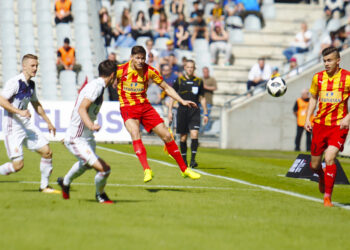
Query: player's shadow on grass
pixel 119 201
pixel 212 168
pixel 9 181
pixel 156 190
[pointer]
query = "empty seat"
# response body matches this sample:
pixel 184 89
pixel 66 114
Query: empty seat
pixel 25 17
pixel 141 41
pixel 236 36
pixel 208 8
pixel 6 5
pixel 62 31
pixel 44 17
pixel 333 25
pixel 7 16
pixel 49 86
pixel 68 86
pixel 80 6
pixel 81 18
pixel 124 54
pixel 43 5
pixel 252 23
pixel 160 43
pixel 235 21
pixel 119 6
pixel 200 44
pixel 268 11
pixel 183 53
pixel 25 5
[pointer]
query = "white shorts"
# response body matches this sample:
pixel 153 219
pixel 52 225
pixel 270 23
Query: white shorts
pixel 83 149
pixel 30 137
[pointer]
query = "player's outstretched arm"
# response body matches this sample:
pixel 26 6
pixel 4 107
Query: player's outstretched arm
pixel 310 111
pixel 173 94
pixel 40 110
pixel 7 105
pixel 83 112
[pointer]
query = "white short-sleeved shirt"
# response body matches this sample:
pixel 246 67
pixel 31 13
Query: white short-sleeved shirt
pixel 256 71
pixel 19 93
pixel 299 39
pixel 92 91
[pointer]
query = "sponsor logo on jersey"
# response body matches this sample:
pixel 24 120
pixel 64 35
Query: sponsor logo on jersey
pixel 134 87
pixel 330 96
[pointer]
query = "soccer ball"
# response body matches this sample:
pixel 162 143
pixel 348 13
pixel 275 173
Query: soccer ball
pixel 276 86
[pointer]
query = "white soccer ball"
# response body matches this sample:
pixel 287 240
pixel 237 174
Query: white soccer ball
pixel 276 86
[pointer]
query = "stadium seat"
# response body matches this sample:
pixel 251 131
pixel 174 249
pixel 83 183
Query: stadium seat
pixel 62 31
pixel 200 45
pixel 139 6
pixel 208 8
pixel 106 4
pixel 48 87
pixel 68 85
pixel 6 5
pixel 235 21
pixel 123 54
pixel 7 16
pixel 83 76
pixel 119 6
pixel 44 18
pixel 154 21
pixel 300 58
pixel 25 5
pixel 333 25
pixel 25 17
pixel 269 1
pixel 236 36
pixel 81 18
pixel 80 6
pixel 183 53
pixel 268 11
pixel 319 25
pixel 141 41
pixel 43 5
pixel 252 23
pixel 160 43
pixel 25 49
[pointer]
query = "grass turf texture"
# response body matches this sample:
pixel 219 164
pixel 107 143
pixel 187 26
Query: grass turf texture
pixel 150 217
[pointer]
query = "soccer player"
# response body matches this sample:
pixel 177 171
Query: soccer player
pixel 190 88
pixel 79 137
pixel 330 88
pixel 18 129
pixel 133 79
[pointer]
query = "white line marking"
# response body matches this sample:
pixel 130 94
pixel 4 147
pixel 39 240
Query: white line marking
pixel 267 188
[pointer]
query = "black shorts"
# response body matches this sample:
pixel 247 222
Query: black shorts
pixel 187 119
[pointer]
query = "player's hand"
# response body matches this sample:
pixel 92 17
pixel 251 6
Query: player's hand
pixel 308 126
pixel 205 120
pixel 25 113
pixel 189 104
pixel 52 129
pixel 344 123
pixel 170 117
pixel 95 127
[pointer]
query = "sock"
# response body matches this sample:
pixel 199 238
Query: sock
pixel 7 169
pixel 45 169
pixel 183 148
pixel 319 171
pixel 76 170
pixel 175 153
pixel 329 178
pixel 194 147
pixel 100 181
pixel 141 153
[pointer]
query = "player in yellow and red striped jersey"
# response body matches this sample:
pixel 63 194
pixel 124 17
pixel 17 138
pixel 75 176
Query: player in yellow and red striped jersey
pixel 133 79
pixel 330 88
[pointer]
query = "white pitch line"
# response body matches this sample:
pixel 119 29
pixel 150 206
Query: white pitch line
pixel 267 188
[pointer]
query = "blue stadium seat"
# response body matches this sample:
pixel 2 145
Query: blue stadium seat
pixel 252 23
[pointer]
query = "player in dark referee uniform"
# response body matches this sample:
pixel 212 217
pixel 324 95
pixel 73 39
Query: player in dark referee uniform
pixel 190 88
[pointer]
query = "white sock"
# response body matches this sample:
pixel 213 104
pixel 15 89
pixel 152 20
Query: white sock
pixel 45 169
pixel 73 173
pixel 7 168
pixel 100 181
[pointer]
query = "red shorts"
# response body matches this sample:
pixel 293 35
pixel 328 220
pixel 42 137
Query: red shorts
pixel 144 112
pixel 324 136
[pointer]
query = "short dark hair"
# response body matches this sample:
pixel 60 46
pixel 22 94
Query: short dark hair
pixel 330 50
pixel 29 56
pixel 66 40
pixel 106 68
pixel 138 50
pixel 191 61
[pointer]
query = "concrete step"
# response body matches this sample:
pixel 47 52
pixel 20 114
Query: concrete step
pixel 219 99
pixel 283 25
pixel 297 11
pixel 268 37
pixel 231 88
pixel 249 62
pixel 230 75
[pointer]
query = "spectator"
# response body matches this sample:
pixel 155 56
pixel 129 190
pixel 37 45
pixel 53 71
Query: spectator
pixel 200 29
pixel 157 7
pixel 154 94
pixel 63 11
pixel 112 91
pixel 334 8
pixel 181 20
pixel 66 58
pixel 151 61
pixel 301 42
pixel 219 38
pixel 293 68
pixel 330 40
pixel 182 66
pixel 196 11
pixel 250 7
pixel 230 8
pixel 124 28
pixel 163 28
pixel 177 7
pixel 150 49
pixel 217 13
pixel 259 74
pixel 169 77
pixel 172 61
pixel 209 85
pixel 300 110
pixel 164 55
pixel 106 28
pixel 182 37
pixel 275 72
pixel 141 27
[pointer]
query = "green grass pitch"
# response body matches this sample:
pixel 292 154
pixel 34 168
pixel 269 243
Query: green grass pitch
pixel 171 212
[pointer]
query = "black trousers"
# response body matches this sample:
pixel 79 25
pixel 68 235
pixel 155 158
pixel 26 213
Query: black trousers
pixel 298 138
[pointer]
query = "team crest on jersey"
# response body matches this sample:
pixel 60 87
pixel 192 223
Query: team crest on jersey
pixel 330 96
pixel 195 90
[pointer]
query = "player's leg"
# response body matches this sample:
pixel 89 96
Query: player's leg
pixel 13 145
pixel 103 171
pixel 183 147
pixel 194 147
pixel 173 150
pixel 46 169
pixel 133 127
pixel 330 173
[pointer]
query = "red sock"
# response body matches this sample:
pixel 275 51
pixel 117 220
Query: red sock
pixel 175 153
pixel 329 178
pixel 141 153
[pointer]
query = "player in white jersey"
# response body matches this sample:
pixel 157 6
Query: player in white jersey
pixel 18 129
pixel 79 137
